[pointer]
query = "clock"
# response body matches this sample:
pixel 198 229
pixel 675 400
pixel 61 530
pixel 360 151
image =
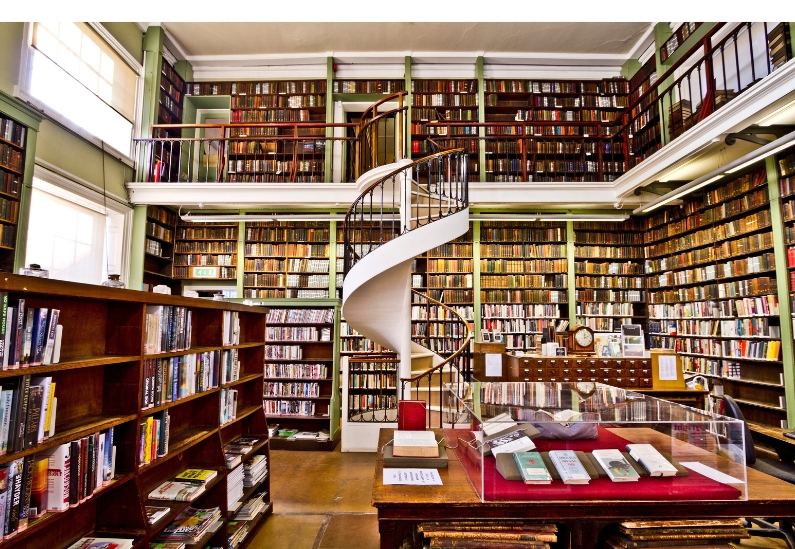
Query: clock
pixel 581 340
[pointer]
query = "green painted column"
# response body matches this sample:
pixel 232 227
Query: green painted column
pixel 184 69
pixel 481 119
pixel 335 404
pixel 782 283
pixel 24 201
pixel 153 59
pixel 572 290
pixel 409 100
pixel 476 275
pixel 137 247
pixel 329 156
pixel 241 256
pixel 332 259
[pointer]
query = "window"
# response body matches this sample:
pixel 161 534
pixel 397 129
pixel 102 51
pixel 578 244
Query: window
pixel 72 237
pixel 77 74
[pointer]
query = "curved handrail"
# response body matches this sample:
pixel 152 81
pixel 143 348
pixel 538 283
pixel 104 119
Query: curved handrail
pixel 453 356
pixel 367 124
pixel 380 102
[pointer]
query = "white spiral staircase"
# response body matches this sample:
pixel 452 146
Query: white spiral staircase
pixel 428 199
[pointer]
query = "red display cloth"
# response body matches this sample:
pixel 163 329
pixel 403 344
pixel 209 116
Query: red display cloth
pixel 495 488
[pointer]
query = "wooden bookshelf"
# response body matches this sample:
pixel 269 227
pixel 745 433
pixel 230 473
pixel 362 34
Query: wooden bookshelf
pixel 678 38
pixel 99 382
pixel 609 280
pixel 367 86
pixel 161 224
pixel 434 100
pixel 286 259
pixel 206 251
pixel 523 279
pixel 301 384
pixel 712 292
pixel 646 128
pixel 171 99
pixel 13 140
pixel 779 45
pixel 568 152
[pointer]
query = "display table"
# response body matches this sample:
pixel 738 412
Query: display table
pixel 401 508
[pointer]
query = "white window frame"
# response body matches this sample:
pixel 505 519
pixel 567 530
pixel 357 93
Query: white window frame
pixel 22 90
pixel 95 196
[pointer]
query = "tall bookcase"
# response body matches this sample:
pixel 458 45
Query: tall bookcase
pixel 523 279
pixel 206 251
pixel 286 259
pixel 99 382
pixel 170 99
pixel 161 224
pixel 609 277
pixel 302 370
pixel 713 293
pixel 646 135
pixel 565 152
pixel 433 100
pixel 13 139
pixel 368 86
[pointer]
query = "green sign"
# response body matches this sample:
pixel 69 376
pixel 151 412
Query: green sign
pixel 205 272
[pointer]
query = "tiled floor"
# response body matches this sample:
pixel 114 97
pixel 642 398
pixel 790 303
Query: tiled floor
pixel 321 500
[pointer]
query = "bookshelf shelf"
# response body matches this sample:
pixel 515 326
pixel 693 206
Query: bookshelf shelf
pixel 102 391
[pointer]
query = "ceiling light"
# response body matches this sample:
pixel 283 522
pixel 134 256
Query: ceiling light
pixel 760 157
pixel 236 218
pixel 583 217
pixel 502 217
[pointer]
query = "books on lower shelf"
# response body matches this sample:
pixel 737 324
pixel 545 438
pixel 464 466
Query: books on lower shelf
pixel 253 507
pixel 242 445
pixel 177 491
pixel 234 486
pixel 255 470
pixel 228 405
pixel 27 412
pixel 154 439
pixel 102 543
pixel 171 379
pixel 153 514
pixel 191 524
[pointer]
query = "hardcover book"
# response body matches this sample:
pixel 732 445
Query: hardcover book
pixel 569 468
pixel 516 441
pixel 177 491
pixel 196 476
pixel 532 468
pixel 651 460
pixel 616 467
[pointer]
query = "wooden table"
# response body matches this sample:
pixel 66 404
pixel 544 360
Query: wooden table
pixel 400 508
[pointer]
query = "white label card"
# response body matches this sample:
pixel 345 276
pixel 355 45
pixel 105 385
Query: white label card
pixel 709 472
pixel 412 477
pixel 667 368
pixel 493 365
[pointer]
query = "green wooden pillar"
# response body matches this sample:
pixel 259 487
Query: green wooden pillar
pixel 572 290
pixel 476 275
pixel 409 100
pixel 137 247
pixel 481 119
pixel 332 259
pixel 153 60
pixel 335 404
pixel 782 283
pixel 241 255
pixel 184 69
pixel 329 156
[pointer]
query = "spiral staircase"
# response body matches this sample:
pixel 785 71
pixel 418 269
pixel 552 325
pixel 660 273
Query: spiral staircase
pixel 405 209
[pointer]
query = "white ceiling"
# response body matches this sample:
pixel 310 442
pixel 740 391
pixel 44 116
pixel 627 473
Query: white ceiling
pixel 606 40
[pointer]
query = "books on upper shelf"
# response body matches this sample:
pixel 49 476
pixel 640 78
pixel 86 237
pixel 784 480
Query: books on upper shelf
pixel 191 524
pixel 231 328
pixel 228 405
pixel 167 329
pixel 153 514
pixel 177 491
pixel 615 465
pixel 170 379
pixel 569 468
pixel 651 460
pixel 196 476
pixel 102 543
pixel 532 468
pixel 155 432
pixel 27 334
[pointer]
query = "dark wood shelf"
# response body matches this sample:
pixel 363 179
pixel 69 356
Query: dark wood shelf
pixel 70 364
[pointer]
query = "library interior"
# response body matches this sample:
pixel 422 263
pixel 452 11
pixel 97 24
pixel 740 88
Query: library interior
pixel 446 289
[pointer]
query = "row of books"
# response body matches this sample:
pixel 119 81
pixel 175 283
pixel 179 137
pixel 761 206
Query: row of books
pixel 606 308
pixel 524 281
pixel 9 210
pixel 274 166
pixel 516 325
pixel 300 316
pixel 10 158
pixel 738 267
pixel 525 310
pixel 277 101
pixel 162 215
pixel 10 183
pixel 289 293
pixel 368 86
pixel 296 371
pixel 740 327
pixel 608 252
pixel 607 86
pixel 13 131
pixel 739 288
pixel 302 333
pixel 611 296
pixel 274 178
pixel 368 402
pixel 171 379
pixel 167 329
pixel 27 412
pixel 627 238
pixel 158 231
pixel 747 307
pixel 523 296
pixel 154 247
pixel 285 280
pixel 604 324
pixel 206 247
pixel 279 389
pixel 207 233
pixel 514 234
pixel 613 268
pixel 202 259
pixel 748 349
pixel 28 335
pixel 154 437
pixel 229 400
pixel 619 282
pixel 523 250
pixel 289 407
pixel 445 329
pixel 223 272
pixel 276 115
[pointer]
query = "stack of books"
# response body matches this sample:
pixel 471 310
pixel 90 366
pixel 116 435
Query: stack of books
pixel 187 486
pixel 153 514
pixel 103 543
pixel 253 507
pixel 237 530
pixel 255 470
pixel 494 533
pixel 716 534
pixel 242 445
pixel 191 525
pixel 234 486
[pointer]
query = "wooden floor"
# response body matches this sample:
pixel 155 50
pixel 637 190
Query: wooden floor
pixel 321 500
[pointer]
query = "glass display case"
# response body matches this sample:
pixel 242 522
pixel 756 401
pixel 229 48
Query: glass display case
pixel 584 441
